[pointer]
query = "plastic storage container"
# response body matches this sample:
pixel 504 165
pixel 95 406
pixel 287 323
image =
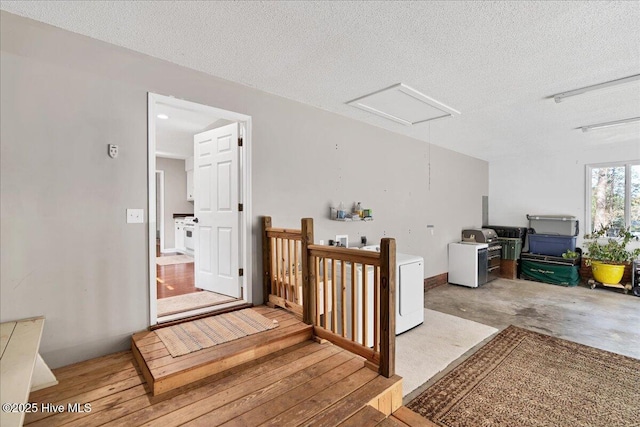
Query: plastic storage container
pixel 508 231
pixel 511 247
pixel 563 275
pixel 546 244
pixel 554 224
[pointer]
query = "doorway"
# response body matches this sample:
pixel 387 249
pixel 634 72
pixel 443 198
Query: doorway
pixel 173 125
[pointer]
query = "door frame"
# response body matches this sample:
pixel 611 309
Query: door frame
pixel 244 235
pixel 160 191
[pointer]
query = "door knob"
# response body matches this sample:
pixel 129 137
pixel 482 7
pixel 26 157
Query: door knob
pixel 195 220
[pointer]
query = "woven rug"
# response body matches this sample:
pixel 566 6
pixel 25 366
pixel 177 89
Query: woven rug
pixel 199 334
pixel 173 259
pixel 192 301
pixel 522 378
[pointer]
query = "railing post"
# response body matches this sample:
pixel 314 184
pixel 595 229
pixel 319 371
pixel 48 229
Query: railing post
pixel 308 273
pixel 266 259
pixel 387 307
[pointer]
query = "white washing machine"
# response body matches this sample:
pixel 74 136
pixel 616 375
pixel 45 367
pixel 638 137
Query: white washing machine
pixel 409 290
pixel 409 295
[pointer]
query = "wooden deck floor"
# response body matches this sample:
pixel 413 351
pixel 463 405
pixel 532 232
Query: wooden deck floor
pixel 164 372
pixel 306 384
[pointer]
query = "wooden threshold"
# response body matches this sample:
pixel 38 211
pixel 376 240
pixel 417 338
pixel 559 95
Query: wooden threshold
pixel 304 384
pixel 163 372
pixel 200 316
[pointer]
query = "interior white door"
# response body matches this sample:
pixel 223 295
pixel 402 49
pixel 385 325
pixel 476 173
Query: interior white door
pixel 216 177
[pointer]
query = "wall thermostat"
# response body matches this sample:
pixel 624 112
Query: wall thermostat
pixel 113 151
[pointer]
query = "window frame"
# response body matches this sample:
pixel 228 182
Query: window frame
pixel 627 189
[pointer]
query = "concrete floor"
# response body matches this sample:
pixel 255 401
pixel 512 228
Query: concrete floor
pixel 602 318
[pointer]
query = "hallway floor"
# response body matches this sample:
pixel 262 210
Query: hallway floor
pixel 175 279
pixel 602 318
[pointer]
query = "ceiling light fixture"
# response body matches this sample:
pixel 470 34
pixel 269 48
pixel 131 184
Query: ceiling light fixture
pixel 609 124
pixel 403 104
pixel 560 96
pixel 163 116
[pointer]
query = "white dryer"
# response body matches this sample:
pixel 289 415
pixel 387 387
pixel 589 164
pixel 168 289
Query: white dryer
pixel 409 290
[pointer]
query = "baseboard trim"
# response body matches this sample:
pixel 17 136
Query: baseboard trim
pixel 435 281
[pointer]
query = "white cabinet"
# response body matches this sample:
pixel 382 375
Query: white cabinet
pixel 190 187
pixel 179 230
pixel 188 167
pixel 468 264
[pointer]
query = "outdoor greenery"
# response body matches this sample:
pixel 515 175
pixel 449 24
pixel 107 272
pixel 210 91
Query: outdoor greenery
pixel 569 254
pixel 614 250
pixel 608 196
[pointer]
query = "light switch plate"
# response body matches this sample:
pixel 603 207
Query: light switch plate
pixel 135 216
pixel 343 239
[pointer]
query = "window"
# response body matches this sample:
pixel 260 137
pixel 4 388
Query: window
pixel 613 195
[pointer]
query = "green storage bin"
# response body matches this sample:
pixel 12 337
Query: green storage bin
pixel 563 275
pixel 511 247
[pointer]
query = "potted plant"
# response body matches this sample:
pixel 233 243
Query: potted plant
pixel 608 258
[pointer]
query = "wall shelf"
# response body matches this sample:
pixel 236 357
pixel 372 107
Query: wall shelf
pixel 350 216
pixel 366 219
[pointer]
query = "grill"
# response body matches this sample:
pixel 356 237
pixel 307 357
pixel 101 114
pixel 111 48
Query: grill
pixel 494 251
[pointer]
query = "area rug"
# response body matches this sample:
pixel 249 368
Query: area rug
pixel 522 378
pixel 199 334
pixel 192 301
pixel 173 259
pixel 429 348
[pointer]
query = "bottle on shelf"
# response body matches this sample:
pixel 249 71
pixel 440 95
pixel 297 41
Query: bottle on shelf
pixel 341 212
pixel 359 210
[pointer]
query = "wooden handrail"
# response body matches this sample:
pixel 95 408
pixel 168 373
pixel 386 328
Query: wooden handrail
pixel 266 259
pixel 308 274
pixel 371 313
pixel 283 233
pixel 345 254
pixel 326 290
pixel 281 265
pixel 388 307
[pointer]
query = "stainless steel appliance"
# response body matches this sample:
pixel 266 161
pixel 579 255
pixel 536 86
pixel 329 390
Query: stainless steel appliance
pixel 479 235
pixel 494 248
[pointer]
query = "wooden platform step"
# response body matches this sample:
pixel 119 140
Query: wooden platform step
pixel 404 417
pixel 401 417
pixel 306 384
pixel 163 372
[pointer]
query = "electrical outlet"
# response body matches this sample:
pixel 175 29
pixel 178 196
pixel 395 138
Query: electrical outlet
pixel 135 216
pixel 113 151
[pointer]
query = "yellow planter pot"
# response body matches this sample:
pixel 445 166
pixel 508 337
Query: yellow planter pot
pixel 609 274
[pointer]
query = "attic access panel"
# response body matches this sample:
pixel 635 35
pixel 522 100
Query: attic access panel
pixel 403 104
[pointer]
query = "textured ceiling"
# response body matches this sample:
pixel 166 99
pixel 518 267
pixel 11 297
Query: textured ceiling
pixel 496 62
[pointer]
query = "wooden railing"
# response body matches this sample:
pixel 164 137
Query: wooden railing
pixel 282 266
pixel 348 295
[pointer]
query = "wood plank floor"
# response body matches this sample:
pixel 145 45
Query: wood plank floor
pixel 305 384
pixel 164 372
pixel 175 279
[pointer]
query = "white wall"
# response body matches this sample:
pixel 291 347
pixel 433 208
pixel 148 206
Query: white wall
pixel 550 181
pixel 67 252
pixel 175 195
